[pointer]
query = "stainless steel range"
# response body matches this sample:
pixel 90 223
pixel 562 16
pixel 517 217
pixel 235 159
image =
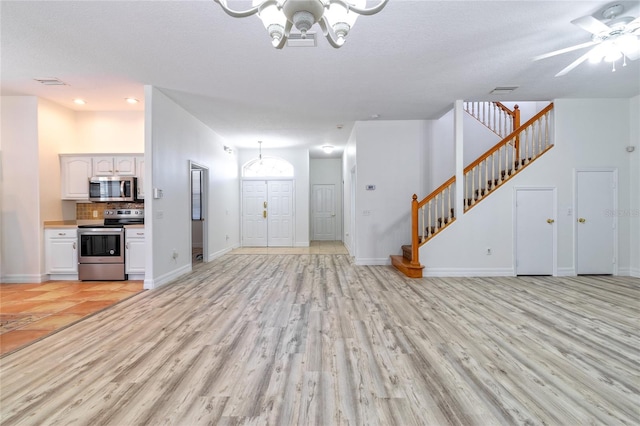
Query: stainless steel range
pixel 102 254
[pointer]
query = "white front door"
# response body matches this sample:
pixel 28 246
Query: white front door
pixel 254 216
pixel 280 213
pixel 535 231
pixel 323 212
pixel 595 222
pixel 267 213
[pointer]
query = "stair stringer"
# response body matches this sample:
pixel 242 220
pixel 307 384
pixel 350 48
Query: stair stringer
pixel 461 250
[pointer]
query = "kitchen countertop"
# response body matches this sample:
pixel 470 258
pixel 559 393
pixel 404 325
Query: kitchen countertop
pixel 76 223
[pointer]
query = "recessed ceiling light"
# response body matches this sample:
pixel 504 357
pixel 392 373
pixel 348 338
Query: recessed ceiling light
pixel 328 149
pixel 79 101
pixel 131 100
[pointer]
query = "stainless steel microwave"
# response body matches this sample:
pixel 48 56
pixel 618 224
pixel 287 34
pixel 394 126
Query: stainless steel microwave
pixel 113 188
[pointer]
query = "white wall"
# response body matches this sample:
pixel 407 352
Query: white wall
pixel 327 172
pixel 299 158
pixel 634 187
pixel 389 156
pixel 56 134
pixel 21 235
pixel 173 138
pixel 349 177
pixel 110 131
pixel 582 140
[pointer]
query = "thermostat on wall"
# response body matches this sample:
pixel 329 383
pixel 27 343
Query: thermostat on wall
pixel 370 187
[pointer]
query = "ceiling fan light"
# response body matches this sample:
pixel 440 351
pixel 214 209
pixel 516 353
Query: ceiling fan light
pixel 612 55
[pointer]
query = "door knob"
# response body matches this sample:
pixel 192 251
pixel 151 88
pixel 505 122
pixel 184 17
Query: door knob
pixel 550 220
pixel 582 220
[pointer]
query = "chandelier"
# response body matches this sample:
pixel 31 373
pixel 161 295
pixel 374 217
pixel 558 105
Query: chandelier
pixel 335 17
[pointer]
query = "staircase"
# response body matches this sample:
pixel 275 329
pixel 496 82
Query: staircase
pixel 521 145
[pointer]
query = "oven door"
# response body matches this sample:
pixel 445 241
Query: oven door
pixel 101 245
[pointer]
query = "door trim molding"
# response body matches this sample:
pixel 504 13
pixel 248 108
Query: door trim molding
pixel 574 228
pixel 554 191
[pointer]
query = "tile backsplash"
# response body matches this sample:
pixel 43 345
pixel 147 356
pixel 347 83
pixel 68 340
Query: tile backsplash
pixel 85 211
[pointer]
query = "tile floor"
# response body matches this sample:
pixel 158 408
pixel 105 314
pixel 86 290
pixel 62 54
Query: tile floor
pixel 29 312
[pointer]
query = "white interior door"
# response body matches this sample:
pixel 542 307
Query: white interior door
pixel 280 213
pixel 323 212
pixel 535 231
pixel 595 226
pixel 254 216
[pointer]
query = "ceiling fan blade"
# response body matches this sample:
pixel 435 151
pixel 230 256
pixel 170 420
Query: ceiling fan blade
pixel 633 26
pixel 632 52
pixel 565 50
pixel 591 24
pixel 574 64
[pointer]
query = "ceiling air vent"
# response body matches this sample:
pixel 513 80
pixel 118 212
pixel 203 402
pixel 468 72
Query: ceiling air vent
pixel 503 90
pixel 50 81
pixel 296 40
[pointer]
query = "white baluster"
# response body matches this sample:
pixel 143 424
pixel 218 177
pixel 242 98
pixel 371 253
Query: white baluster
pixel 424 228
pixel 500 150
pixel 493 171
pixel 429 233
pixel 526 146
pixel 449 207
pixel 473 186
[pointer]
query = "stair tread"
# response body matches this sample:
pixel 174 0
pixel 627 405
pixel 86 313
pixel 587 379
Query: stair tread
pixel 406 267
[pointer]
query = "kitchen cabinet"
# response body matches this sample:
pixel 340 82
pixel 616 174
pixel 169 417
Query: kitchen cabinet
pixel 75 172
pixel 134 253
pixel 76 169
pixel 61 252
pixel 114 166
pixel 140 176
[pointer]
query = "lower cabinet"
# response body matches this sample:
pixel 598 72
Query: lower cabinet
pixel 134 253
pixel 61 253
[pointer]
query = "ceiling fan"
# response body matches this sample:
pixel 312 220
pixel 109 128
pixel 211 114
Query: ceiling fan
pixel 617 38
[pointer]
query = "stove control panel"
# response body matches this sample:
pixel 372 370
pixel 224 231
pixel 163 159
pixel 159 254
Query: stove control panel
pixel 123 213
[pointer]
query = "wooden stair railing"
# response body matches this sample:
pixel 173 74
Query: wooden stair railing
pixel 512 154
pixel 496 116
pixel 492 169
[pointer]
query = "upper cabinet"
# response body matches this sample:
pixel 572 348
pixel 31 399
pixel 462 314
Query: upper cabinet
pixel 75 172
pixel 114 166
pixel 76 169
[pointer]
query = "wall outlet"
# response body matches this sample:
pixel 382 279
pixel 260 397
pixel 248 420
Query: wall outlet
pixel 488 251
pixel 95 213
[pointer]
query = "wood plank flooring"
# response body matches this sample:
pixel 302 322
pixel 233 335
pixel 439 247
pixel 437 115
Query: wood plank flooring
pixel 315 340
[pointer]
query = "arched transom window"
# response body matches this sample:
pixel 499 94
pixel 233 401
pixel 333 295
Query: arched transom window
pixel 268 167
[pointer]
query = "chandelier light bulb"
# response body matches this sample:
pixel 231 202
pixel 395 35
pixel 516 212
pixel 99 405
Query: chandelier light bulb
pixel 334 17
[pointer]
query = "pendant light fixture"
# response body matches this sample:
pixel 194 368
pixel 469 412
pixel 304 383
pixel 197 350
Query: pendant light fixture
pixel 335 17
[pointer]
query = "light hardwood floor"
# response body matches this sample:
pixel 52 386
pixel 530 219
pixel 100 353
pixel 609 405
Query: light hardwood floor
pixel 314 340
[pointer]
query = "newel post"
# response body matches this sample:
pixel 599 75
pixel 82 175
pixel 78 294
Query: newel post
pixel 516 125
pixel 414 231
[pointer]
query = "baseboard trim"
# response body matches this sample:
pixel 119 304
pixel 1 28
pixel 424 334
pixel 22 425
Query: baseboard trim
pixel 372 261
pixel 629 272
pixel 25 278
pixel 468 272
pixel 566 272
pixel 152 283
pixel 301 244
pixel 219 253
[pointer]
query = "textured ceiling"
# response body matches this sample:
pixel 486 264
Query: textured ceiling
pixel 410 61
